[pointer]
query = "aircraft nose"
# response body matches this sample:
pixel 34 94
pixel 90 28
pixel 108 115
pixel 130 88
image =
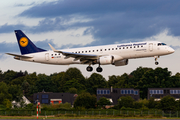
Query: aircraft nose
pixel 171 50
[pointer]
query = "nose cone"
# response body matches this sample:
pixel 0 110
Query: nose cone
pixel 171 50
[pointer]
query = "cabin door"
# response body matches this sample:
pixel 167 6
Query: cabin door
pixel 150 47
pixel 47 56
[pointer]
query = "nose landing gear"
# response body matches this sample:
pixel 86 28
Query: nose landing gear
pixel 156 62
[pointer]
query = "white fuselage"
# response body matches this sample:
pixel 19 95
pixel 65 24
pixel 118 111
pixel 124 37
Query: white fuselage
pixel 118 51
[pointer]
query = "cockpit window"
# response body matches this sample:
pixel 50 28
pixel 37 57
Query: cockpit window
pixel 163 43
pixel 160 44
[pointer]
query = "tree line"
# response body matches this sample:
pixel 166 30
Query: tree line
pixel 15 84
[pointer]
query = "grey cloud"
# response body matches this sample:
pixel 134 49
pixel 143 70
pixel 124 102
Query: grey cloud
pixel 14 48
pixel 44 44
pixel 116 21
pixel 99 7
pixel 9 47
pixel 175 47
pixel 10 28
pixel 22 5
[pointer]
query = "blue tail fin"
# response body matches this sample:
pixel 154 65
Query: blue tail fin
pixel 25 44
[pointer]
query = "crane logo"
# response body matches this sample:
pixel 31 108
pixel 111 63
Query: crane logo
pixel 23 42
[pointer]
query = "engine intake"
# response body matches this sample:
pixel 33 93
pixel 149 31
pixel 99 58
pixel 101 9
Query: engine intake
pixel 105 60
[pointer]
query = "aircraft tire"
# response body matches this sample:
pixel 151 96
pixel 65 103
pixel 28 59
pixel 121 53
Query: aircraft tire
pixel 89 68
pixel 156 63
pixel 99 69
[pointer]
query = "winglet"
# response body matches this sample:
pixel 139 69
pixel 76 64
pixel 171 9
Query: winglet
pixel 52 47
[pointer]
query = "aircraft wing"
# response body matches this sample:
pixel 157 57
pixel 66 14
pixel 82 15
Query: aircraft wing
pixel 15 55
pixel 84 58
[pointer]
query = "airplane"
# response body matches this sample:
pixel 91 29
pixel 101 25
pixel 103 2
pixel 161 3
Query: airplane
pixel 115 54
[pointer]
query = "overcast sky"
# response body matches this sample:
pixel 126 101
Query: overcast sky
pixel 77 23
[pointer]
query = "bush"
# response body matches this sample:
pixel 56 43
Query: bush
pixel 85 100
pixel 103 101
pixel 126 102
pixel 29 106
pixel 168 103
pixel 152 103
pixel 62 106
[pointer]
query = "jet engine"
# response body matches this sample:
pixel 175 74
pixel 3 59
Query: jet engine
pixel 104 60
pixel 121 62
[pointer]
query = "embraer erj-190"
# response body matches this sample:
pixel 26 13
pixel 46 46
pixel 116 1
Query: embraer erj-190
pixel 115 54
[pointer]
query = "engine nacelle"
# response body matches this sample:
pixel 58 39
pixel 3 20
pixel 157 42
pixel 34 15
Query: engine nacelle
pixel 105 60
pixel 121 62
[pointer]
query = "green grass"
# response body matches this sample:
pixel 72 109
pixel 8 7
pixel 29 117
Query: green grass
pixel 82 117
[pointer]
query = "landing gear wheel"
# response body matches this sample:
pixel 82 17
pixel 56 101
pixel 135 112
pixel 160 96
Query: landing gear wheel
pixel 156 63
pixel 99 69
pixel 89 68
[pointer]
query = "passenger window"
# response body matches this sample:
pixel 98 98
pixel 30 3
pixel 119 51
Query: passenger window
pixel 59 53
pixel 116 48
pixel 55 54
pixel 112 48
pixel 97 50
pixel 109 48
pixel 104 49
pixel 123 47
pixel 138 46
pixel 86 51
pixel 134 46
pixel 93 50
pixel 101 49
pixel 76 52
pixel 51 54
pixel 119 48
pixel 141 46
pixel 79 51
pixel 130 47
pixel 89 51
pixel 127 47
pixel 82 51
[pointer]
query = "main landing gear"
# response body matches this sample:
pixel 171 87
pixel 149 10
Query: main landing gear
pixel 89 68
pixel 156 62
pixel 98 69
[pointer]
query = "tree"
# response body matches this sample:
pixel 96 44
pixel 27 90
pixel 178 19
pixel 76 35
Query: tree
pixel 17 81
pixel 73 90
pixel 74 84
pixel 9 75
pixel 95 81
pixel 16 92
pixel 4 94
pixel 7 103
pixel 113 80
pixel 25 87
pixel 103 101
pixel 44 83
pixel 74 73
pixel 85 100
pixel 123 81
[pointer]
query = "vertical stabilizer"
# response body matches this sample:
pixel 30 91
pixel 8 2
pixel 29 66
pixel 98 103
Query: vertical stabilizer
pixel 25 44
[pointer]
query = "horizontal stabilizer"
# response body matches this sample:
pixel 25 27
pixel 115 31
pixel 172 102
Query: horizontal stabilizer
pixel 22 56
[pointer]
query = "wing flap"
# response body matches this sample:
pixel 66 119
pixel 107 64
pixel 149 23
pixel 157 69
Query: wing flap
pixel 76 55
